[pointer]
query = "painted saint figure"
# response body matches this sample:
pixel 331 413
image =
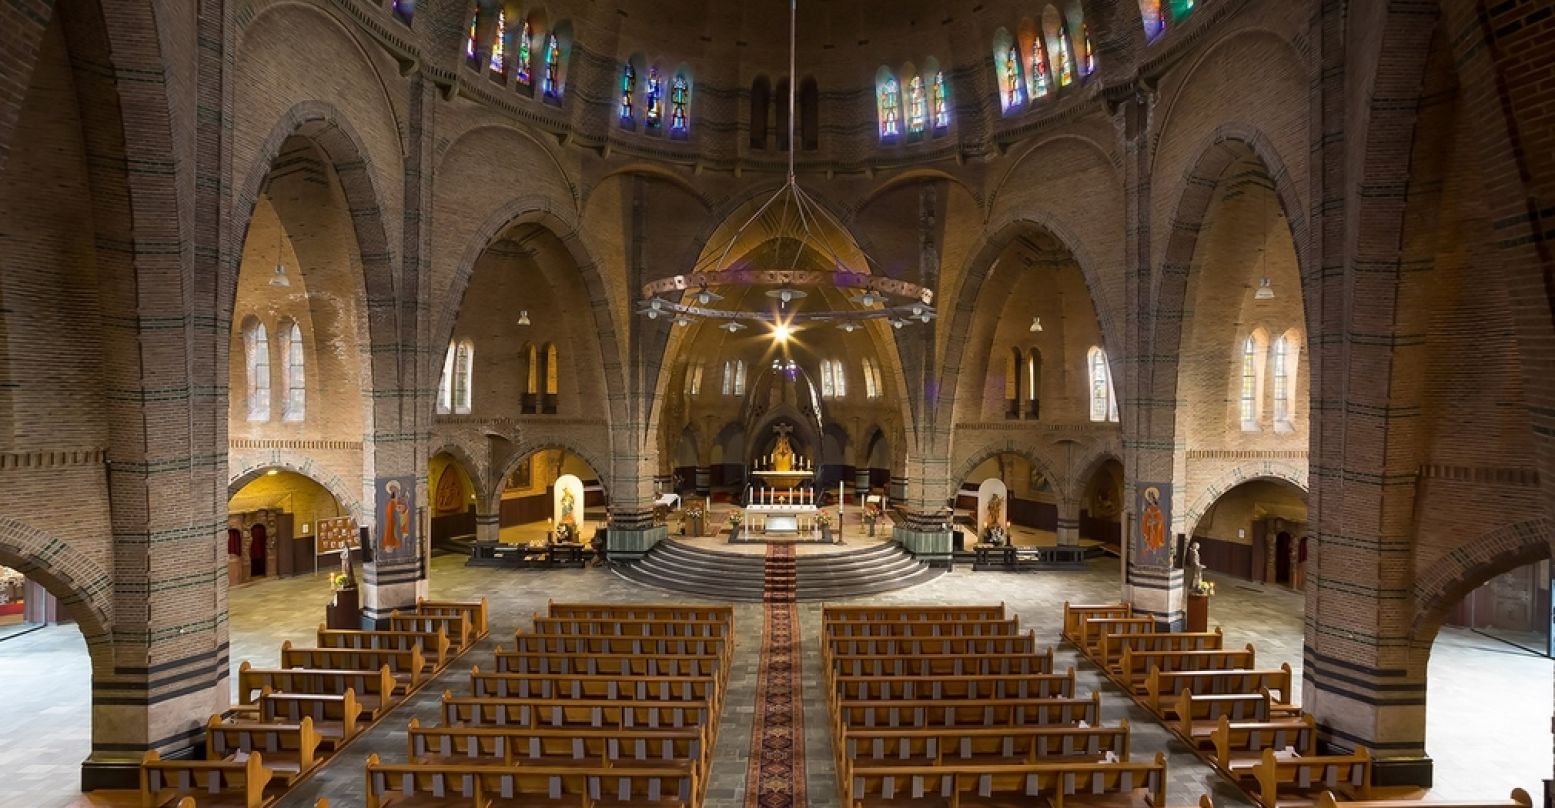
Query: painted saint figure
pixel 1152 523
pixel 396 518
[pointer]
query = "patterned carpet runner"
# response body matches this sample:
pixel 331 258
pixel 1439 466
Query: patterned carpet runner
pixel 776 778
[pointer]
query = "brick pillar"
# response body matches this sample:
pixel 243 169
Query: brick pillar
pixel 704 481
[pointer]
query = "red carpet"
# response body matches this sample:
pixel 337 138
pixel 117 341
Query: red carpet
pixel 776 778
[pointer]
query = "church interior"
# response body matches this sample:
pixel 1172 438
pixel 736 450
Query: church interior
pixel 828 403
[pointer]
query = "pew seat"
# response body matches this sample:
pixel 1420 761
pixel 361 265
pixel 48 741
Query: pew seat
pixel 290 750
pixel 1518 799
pixel 212 783
pixel 413 785
pixel 971 745
pixel 406 664
pixel 515 746
pixel 1072 784
pixel 1285 781
pixel 334 717
pixel 1239 745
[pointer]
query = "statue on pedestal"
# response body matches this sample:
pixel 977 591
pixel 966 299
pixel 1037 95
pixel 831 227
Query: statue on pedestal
pixel 1193 569
pixel 347 578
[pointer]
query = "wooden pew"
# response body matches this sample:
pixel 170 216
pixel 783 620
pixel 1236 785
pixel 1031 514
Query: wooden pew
pixel 970 686
pixel 1518 799
pixel 406 664
pixel 1092 630
pixel 1075 784
pixel 930 613
pixel 576 713
pixel 941 664
pixel 1001 745
pixel 641 611
pixel 1162 687
pixel 290 750
pixel 609 664
pixel 580 686
pixel 1075 613
pixel 664 786
pixel 1135 666
pixel 921 628
pixel 918 646
pixel 513 746
pixel 635 646
pixel 217 783
pixel 628 627
pixel 1112 645
pixel 452 625
pixel 435 647
pixel 334 717
pixel 1239 745
pixel 473 612
pixel 966 713
pixel 1198 716
pixel 374 689
pixel 1304 779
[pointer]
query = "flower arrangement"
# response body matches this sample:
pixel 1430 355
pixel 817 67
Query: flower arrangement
pixel 823 519
pixel 736 518
pixel 692 512
pixel 338 580
pixel 871 513
pixel 565 532
pixel 1205 588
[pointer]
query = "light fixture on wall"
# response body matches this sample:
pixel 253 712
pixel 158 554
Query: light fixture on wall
pixel 1036 324
pixel 279 278
pixel 523 317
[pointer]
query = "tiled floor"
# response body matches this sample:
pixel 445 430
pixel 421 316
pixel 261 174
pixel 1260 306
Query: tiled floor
pixel 1479 751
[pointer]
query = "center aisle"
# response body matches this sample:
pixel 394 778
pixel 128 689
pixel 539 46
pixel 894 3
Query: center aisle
pixel 776 777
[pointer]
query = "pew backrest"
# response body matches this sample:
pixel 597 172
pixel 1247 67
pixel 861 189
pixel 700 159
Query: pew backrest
pixel 224 738
pixel 608 664
pixel 407 661
pixel 642 611
pixel 1518 799
pixel 435 646
pixel 942 664
pixel 1074 613
pixel 911 613
pixel 1162 687
pixel 955 745
pixel 921 628
pixel 474 612
pixel 163 780
pixel 1233 740
pixel 1275 773
pixel 929 686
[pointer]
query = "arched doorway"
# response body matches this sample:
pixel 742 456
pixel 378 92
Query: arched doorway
pixel 1255 531
pixel 1101 507
pixel 453 503
pixel 1031 504
pixel 529 507
pixel 274 521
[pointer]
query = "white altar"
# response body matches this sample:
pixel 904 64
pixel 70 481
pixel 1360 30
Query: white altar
pixel 779 513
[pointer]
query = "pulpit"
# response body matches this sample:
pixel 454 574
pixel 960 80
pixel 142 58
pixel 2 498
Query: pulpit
pixel 344 610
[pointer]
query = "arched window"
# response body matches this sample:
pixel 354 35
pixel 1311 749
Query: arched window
pixel 888 96
pixel 1248 390
pixel 294 406
pixel 809 114
pixel 552 370
pixel 1285 355
pixel 1033 383
pixel 445 383
pixel 1153 17
pixel 783 113
pixel 827 386
pixel 532 370
pixel 739 377
pixel 1038 70
pixel 1088 52
pixel 1012 369
pixel 694 379
pixel 1007 68
pixel 1104 406
pixel 839 378
pixel 941 102
pixel 628 91
pixel 256 359
pixel 680 104
pixel 917 105
pixel 464 369
pixel 653 99
pixel 521 59
pixel 761 102
pixel 405 10
pixel 499 46
pixel 1061 51
pixel 871 383
pixel 553 66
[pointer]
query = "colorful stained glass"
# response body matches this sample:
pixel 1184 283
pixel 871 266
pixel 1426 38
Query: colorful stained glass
pixel 1038 70
pixel 628 90
pixel 1012 94
pixel 500 46
pixel 521 68
pixel 553 64
pixel 469 41
pixel 1088 60
pixel 653 102
pixel 405 10
pixel 680 99
pixel 889 114
pixel 917 105
pixel 941 102
pixel 1065 67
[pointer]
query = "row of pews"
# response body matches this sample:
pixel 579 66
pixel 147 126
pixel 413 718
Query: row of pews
pixel 1240 718
pixel 940 705
pixel 597 705
pixel 290 719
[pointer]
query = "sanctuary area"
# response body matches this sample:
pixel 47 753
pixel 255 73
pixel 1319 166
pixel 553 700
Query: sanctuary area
pixel 774 404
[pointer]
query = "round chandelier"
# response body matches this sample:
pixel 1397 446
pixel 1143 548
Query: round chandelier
pixel 789 214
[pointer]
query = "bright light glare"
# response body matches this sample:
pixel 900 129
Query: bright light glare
pixel 781 332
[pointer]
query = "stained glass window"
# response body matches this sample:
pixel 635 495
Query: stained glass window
pixel 445 383
pixel 1065 68
pixel 628 90
pixel 917 105
pixel 521 68
pixel 1088 58
pixel 1012 94
pixel 1038 70
pixel 1249 393
pixel 499 47
pixel 294 407
pixel 1281 380
pixel 464 368
pixel 680 99
pixel 653 101
pixel 890 114
pixel 553 64
pixel 1153 16
pixel 941 102
pixel 405 10
pixel 469 40
pixel 1101 386
pixel 256 350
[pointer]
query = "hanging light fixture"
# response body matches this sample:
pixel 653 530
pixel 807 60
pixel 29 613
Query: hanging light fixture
pixel 523 317
pixel 1036 325
pixel 790 215
pixel 848 326
pixel 1265 291
pixel 279 278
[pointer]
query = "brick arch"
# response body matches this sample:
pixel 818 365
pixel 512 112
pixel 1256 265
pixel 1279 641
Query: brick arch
pixel 475 471
pixel 994 448
pixel 1092 464
pixel 1243 473
pixel 346 151
pixel 539 209
pixel 524 450
pixel 255 467
pixel 1453 576
pixel 83 587
pixel 1195 194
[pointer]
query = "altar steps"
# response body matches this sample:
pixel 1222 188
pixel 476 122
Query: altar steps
pixel 743 577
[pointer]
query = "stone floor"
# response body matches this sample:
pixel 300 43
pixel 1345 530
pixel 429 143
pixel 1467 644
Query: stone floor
pixel 1479 752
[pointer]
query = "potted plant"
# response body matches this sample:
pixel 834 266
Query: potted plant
pixel 693 516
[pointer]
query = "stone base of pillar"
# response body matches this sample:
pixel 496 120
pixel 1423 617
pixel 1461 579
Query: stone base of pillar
pixel 932 546
pixel 898 490
pixel 390 586
pixel 631 543
pixel 117 773
pixel 1157 592
pixel 704 481
pixel 488 527
pixel 1407 771
pixel 1068 531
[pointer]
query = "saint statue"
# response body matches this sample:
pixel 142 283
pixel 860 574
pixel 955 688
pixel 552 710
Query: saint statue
pixel 782 455
pixel 347 574
pixel 995 511
pixel 568 505
pixel 1193 568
